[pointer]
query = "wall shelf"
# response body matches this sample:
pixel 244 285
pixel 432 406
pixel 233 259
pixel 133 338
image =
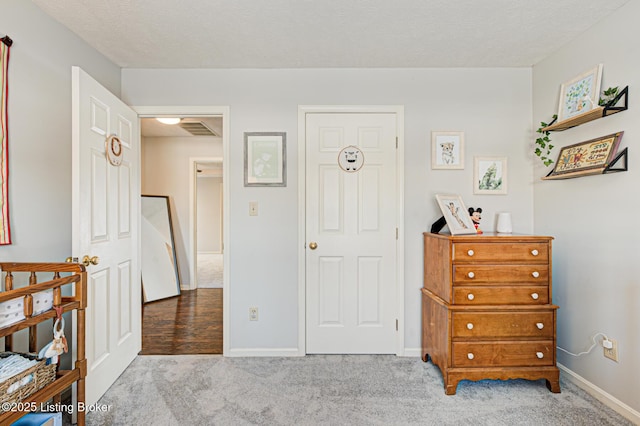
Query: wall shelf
pixel 609 168
pixel 594 114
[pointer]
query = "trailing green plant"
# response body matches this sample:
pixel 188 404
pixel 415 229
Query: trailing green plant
pixel 608 96
pixel 543 143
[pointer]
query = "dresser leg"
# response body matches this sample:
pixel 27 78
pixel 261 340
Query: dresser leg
pixel 450 388
pixel 425 357
pixel 553 385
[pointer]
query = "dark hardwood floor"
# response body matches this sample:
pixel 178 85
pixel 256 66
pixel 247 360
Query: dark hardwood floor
pixel 187 324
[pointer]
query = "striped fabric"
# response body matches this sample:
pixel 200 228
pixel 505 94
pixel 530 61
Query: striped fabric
pixel 5 236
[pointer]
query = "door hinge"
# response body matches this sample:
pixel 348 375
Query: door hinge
pixel 396 142
pixel 396 233
pixel 396 325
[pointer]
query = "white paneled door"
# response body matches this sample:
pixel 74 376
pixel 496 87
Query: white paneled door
pixel 351 228
pixel 106 211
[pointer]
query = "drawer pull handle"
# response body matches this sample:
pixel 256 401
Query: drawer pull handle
pixel 471 275
pixel 540 355
pixel 534 296
pixel 470 326
pixel 535 274
pixel 470 296
pixel 535 252
pixel 470 252
pixel 470 355
pixel 540 326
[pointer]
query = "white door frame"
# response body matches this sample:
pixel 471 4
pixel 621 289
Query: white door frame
pixel 303 110
pixel 193 213
pixel 200 111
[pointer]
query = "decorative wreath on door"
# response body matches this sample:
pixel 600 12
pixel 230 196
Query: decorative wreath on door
pixel 113 148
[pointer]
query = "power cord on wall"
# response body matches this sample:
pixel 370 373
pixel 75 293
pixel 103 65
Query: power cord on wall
pixel 605 342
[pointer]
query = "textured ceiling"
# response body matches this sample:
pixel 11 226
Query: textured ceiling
pixel 327 33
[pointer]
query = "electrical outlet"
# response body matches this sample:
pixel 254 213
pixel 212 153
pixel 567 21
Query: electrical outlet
pixel 253 208
pixel 612 352
pixel 253 314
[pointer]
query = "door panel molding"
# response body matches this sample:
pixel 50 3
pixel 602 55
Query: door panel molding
pixel 303 110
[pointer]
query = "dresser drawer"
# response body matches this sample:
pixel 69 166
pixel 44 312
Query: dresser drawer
pixel 504 354
pixel 513 274
pixel 481 324
pixel 500 252
pixel 501 295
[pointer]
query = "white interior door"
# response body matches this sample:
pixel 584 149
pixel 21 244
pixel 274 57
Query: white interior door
pixel 106 212
pixel 351 220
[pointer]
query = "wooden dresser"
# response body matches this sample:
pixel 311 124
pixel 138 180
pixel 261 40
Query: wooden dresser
pixel 486 308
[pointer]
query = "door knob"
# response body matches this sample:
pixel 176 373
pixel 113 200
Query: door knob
pixel 313 245
pixel 86 260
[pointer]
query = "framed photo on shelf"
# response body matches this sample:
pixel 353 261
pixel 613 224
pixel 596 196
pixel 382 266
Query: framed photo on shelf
pixel 580 94
pixel 265 159
pixel 586 158
pixel 456 214
pixel 447 150
pixel 490 175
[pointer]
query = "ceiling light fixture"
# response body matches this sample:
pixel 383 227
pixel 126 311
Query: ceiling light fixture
pixel 169 120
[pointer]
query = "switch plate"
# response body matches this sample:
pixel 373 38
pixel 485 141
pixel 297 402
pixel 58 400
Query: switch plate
pixel 253 208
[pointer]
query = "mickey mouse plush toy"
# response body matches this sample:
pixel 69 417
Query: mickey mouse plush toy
pixel 475 218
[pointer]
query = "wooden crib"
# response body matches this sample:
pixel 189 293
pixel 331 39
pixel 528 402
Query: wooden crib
pixel 60 275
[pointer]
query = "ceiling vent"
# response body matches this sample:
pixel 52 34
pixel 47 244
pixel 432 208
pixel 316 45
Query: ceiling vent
pixel 197 128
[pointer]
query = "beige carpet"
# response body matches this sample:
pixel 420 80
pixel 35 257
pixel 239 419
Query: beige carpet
pixel 331 390
pixel 210 270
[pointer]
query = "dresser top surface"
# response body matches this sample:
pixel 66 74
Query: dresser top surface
pixel 489 237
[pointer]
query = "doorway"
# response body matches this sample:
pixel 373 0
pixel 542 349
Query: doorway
pixel 208 232
pixel 167 168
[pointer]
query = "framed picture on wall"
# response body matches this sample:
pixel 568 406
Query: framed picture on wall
pixel 456 214
pixel 490 175
pixel 447 150
pixel 580 94
pixel 265 159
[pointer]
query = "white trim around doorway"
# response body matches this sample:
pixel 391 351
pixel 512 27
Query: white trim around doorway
pixel 303 110
pixel 200 111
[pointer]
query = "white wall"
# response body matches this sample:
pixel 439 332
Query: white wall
pixel 166 171
pixel 39 112
pixel 492 107
pixel 596 265
pixel 209 212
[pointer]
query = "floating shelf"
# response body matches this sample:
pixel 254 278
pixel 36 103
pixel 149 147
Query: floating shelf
pixel 594 114
pixel 609 168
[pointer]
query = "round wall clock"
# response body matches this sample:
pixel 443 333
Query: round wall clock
pixel 351 159
pixel 113 148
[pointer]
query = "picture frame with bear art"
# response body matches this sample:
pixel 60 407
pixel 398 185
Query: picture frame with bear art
pixel 447 150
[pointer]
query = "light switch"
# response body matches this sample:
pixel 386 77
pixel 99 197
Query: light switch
pixel 253 208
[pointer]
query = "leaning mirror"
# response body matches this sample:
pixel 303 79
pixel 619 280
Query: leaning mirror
pixel 160 278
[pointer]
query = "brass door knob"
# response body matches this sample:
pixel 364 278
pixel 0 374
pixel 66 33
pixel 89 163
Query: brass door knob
pixel 313 245
pixel 86 260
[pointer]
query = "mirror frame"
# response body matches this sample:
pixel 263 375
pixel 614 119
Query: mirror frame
pixel 176 269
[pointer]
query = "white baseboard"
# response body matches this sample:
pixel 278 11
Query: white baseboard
pixel 602 396
pixel 256 352
pixel 412 352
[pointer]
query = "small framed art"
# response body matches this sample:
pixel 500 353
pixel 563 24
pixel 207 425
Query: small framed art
pixel 456 214
pixel 447 150
pixel 580 94
pixel 490 175
pixel 265 159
